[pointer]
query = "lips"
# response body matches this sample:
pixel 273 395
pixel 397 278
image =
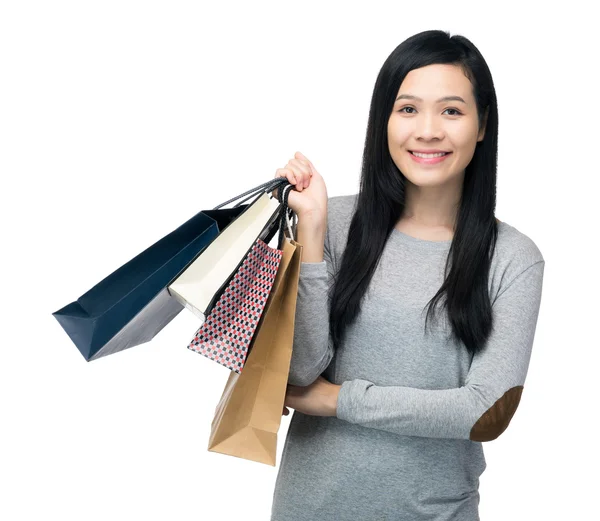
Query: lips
pixel 424 161
pixel 429 152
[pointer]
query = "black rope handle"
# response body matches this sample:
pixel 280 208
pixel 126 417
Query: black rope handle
pixel 282 197
pixel 283 214
pixel 269 186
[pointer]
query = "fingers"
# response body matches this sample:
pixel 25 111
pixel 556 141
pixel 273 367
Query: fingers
pixel 305 166
pixel 301 173
pixel 289 174
pixel 302 157
pixel 298 171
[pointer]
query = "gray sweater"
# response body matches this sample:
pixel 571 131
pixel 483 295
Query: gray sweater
pixel 413 409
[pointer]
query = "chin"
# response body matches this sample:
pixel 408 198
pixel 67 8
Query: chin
pixel 430 179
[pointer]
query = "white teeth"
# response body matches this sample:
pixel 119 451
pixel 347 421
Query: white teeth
pixel 440 154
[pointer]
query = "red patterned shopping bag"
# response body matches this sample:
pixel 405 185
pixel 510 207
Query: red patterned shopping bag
pixel 226 334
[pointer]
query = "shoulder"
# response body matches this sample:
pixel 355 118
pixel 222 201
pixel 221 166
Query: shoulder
pixel 340 209
pixel 515 246
pixel 515 252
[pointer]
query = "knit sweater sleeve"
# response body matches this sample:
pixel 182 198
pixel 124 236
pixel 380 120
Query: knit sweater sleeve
pixel 482 408
pixel 312 349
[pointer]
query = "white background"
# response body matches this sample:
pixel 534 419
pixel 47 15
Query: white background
pixel 122 119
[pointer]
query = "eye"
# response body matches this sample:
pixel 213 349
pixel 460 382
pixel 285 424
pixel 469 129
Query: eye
pixel 458 112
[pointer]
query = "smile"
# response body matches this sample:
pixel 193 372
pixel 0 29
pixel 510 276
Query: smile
pixel 429 159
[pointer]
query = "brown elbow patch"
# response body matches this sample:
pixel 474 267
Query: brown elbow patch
pixel 495 420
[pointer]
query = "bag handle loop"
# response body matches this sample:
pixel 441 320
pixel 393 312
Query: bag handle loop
pixel 284 213
pixel 269 186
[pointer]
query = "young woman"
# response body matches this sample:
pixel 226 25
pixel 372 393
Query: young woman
pixel 394 427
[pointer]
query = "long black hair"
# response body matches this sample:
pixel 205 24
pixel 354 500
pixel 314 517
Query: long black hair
pixel 381 199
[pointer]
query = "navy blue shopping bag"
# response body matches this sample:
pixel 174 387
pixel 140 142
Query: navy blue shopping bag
pixel 132 305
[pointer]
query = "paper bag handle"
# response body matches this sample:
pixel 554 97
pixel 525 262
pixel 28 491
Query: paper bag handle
pixel 269 186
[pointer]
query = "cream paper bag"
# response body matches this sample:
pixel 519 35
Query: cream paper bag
pixel 199 286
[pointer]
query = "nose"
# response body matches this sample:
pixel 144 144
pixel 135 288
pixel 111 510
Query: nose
pixel 429 127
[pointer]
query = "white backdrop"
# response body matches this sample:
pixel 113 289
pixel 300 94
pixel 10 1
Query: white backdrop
pixel 121 119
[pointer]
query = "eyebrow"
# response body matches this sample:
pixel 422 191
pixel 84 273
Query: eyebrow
pixel 445 98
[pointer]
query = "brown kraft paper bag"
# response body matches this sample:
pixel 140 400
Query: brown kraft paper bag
pixel 249 412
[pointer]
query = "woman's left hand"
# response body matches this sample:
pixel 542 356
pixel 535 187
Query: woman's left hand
pixel 317 399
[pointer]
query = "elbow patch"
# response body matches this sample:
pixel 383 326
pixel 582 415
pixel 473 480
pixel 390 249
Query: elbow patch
pixel 495 420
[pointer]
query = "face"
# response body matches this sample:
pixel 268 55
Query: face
pixel 430 124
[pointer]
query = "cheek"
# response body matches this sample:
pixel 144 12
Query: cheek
pixel 463 136
pixel 397 136
pixel 390 133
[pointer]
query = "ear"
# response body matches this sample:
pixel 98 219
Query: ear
pixel 482 131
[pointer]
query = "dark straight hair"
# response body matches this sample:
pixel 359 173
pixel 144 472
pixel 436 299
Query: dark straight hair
pixel 381 199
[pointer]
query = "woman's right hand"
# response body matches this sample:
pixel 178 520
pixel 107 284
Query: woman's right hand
pixel 309 196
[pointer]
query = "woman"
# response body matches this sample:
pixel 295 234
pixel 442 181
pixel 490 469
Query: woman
pixel 394 427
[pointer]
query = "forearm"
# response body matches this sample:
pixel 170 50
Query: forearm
pixel 310 233
pixel 408 411
pixel 311 352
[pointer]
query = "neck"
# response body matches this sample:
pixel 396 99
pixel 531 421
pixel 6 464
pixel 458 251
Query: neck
pixel 435 207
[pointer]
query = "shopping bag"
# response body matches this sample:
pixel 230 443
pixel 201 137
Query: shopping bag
pixel 132 305
pixel 202 283
pixel 226 334
pixel 128 307
pixel 248 415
